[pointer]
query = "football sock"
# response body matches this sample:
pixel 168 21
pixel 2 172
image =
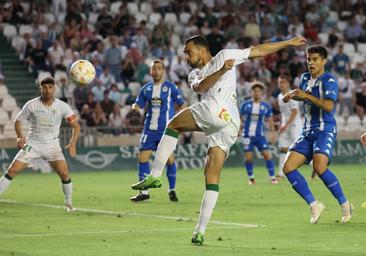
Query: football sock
pixel 300 185
pixel 281 163
pixel 165 148
pixel 249 168
pixel 208 204
pixel 270 167
pixel 171 173
pixel 144 169
pixel 67 188
pixel 5 181
pixel 332 183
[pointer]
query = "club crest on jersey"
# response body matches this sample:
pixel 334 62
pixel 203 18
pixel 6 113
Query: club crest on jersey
pixel 164 89
pixel 224 115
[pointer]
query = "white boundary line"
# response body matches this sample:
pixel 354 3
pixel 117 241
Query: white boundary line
pixel 176 218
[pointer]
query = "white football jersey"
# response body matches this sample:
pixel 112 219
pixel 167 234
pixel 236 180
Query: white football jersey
pixel 285 109
pixel 225 87
pixel 45 121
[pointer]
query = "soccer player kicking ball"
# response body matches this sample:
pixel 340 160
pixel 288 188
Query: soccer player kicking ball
pixel 319 91
pixel 160 97
pixel 45 114
pixel 254 112
pixel 363 140
pixel 217 115
pixel 290 122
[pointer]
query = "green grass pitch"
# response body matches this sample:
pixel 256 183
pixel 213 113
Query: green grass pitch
pixel 30 226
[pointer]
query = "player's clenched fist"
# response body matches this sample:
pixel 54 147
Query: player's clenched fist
pixel 298 41
pixel 227 66
pixel 21 143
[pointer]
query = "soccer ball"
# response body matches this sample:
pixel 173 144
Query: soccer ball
pixel 82 72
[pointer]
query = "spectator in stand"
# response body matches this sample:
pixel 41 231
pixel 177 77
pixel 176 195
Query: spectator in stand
pixel 98 91
pixel 106 78
pixel 133 122
pixel 346 95
pixel 113 57
pixel 179 70
pixel 99 117
pixel 90 101
pixel 120 22
pixel 190 29
pixel 141 41
pixel 252 29
pixel 341 62
pixel 114 94
pixel 354 31
pixel 18 16
pixel 92 44
pixel 37 59
pixel 64 89
pixel 295 67
pixel 87 115
pixel 80 96
pixel 105 21
pixel 231 43
pixel 99 52
pixel 55 54
pixel 333 38
pixel 142 70
pixel 297 25
pixel 115 121
pixel 106 104
pixel 128 70
pixel 215 40
pixel 361 103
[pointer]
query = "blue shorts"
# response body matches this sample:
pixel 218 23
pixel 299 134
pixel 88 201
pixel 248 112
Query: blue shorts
pixel 312 142
pixel 150 140
pixel 259 141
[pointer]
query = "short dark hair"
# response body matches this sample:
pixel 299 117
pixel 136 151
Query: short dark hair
pixel 197 40
pixel 47 80
pixel 257 84
pixel 158 61
pixel 285 77
pixel 321 50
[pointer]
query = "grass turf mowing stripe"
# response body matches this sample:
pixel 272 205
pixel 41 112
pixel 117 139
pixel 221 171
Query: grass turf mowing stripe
pixel 242 225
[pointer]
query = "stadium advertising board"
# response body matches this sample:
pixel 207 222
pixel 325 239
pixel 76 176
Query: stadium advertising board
pixel 188 157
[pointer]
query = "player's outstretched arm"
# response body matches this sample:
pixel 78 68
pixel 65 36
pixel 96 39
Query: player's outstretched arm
pixel 74 137
pixel 206 83
pixel 262 50
pixel 18 130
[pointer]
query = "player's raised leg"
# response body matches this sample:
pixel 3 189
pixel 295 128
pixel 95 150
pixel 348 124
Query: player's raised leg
pixel 214 163
pixel 320 166
pixel 171 173
pixel 182 122
pixel 269 165
pixel 15 167
pixel 248 155
pixel 60 166
pixel 299 184
pixel 143 171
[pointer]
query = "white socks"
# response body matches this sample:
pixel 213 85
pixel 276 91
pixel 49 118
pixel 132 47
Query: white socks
pixel 208 204
pixel 67 188
pixel 5 181
pixel 281 164
pixel 166 147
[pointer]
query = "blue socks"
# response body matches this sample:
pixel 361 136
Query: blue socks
pixel 171 173
pixel 300 185
pixel 332 183
pixel 270 167
pixel 144 170
pixel 249 168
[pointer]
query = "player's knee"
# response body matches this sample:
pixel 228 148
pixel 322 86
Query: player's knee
pixel 170 161
pixel 287 167
pixel 319 168
pixel 173 125
pixel 64 175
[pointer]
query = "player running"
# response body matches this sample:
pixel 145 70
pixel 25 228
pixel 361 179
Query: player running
pixel 319 91
pixel 254 113
pixel 290 128
pixel 217 115
pixel 45 114
pixel 160 97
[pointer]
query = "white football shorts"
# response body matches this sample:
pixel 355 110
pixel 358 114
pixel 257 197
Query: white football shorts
pixel 47 153
pixel 287 138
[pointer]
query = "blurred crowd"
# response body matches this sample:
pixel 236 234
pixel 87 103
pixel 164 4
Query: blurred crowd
pixel 122 37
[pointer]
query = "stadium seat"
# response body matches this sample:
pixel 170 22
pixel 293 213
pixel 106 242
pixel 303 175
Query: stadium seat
pixel 333 16
pixel 176 41
pixel 146 8
pixel 24 29
pixel 171 18
pixel 93 18
pixel 43 28
pixel 14 114
pixel 140 17
pixel 132 8
pixel 25 5
pixel 3 91
pixel 115 7
pixel 9 31
pixel 43 74
pixel 155 18
pixel 342 25
pixel 9 104
pixel 178 29
pixel 17 42
pixel 349 48
pixel 323 37
pixel 9 131
pixel 193 6
pixel 184 17
pixel 61 17
pixel 4 117
pixel 49 18
pixel 361 47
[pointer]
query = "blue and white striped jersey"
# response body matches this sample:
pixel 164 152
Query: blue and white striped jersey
pixel 160 100
pixel 324 87
pixel 254 116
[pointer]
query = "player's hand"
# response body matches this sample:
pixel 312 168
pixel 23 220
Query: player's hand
pixel 227 65
pixel 283 128
pixel 72 149
pixel 287 97
pixel 21 143
pixel 297 41
pixel 363 138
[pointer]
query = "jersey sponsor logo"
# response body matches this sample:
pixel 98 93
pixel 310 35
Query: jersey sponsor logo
pixel 224 115
pixel 71 118
pixel 156 102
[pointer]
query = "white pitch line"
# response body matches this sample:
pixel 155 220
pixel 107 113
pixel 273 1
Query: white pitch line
pixel 177 218
pixel 10 235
